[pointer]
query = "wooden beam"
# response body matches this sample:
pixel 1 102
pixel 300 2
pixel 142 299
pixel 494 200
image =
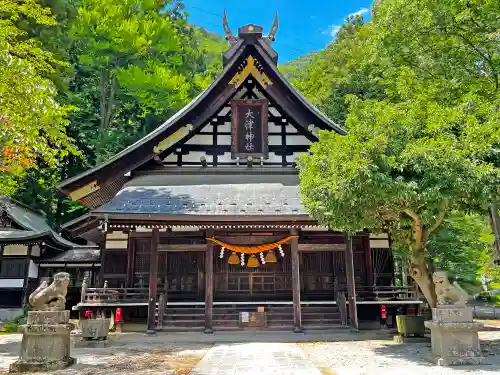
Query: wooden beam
pixel 209 284
pixel 368 260
pixel 153 271
pixel 351 288
pixel 130 262
pixel 297 315
pixel 26 276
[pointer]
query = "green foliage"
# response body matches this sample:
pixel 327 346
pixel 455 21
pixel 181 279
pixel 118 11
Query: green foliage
pixel 32 122
pixel 462 246
pixel 141 61
pixel 107 72
pixel 419 89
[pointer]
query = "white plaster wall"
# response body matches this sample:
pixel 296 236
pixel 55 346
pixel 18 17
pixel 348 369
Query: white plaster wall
pixel 33 270
pixel 11 283
pixel 15 250
pixel 35 250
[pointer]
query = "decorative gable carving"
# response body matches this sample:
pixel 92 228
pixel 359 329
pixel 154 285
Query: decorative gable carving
pixel 253 68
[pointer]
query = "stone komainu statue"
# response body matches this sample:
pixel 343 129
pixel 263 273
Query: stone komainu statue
pixel 52 297
pixel 446 293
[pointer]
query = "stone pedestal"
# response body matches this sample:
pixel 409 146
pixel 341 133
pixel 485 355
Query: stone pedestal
pixel 46 342
pixel 454 336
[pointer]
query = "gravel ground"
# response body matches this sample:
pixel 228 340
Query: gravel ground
pixel 176 354
pixel 386 357
pixel 129 354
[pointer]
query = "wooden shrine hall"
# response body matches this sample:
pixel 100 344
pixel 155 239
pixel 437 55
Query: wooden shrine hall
pixel 201 220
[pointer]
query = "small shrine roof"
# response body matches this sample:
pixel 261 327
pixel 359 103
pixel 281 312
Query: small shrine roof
pixel 76 256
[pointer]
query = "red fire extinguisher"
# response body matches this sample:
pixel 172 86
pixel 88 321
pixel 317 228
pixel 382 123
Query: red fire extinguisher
pixel 118 316
pixel 383 314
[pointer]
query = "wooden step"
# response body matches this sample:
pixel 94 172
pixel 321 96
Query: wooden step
pixel 184 323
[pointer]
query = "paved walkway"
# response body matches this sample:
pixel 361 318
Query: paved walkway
pixel 255 358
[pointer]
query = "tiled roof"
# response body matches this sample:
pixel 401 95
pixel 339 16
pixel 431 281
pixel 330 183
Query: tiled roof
pixel 33 223
pixel 76 256
pixel 231 199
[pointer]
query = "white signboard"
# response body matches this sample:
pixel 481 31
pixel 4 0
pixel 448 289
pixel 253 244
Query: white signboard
pixel 245 318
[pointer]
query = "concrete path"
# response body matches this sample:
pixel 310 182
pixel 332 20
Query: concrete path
pixel 255 358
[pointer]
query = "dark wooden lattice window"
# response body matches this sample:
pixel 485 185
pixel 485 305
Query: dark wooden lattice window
pixel 339 268
pixel 115 262
pixel 182 271
pixel 142 260
pixel 13 268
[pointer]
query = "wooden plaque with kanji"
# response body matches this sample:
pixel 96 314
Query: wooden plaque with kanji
pixel 249 128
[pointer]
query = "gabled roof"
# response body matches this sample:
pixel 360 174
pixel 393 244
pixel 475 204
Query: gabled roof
pixel 33 225
pixel 196 114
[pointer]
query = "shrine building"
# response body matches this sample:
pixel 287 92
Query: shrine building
pixel 201 219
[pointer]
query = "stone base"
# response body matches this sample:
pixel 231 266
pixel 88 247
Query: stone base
pixel 454 337
pixel 31 366
pixel 93 344
pixel 400 339
pixel 458 361
pixel 46 342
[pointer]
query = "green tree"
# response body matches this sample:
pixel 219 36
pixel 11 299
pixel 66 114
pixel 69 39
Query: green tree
pixel 138 60
pixel 32 122
pixel 427 147
pixel 347 66
pixel 462 247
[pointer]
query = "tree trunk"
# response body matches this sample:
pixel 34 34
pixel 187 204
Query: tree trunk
pixel 422 276
pixel 495 226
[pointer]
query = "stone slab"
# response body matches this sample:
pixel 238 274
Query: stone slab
pixel 454 326
pixel 36 366
pixel 452 314
pixel 46 329
pixel 48 317
pixel 400 339
pixel 93 344
pixel 458 361
pixel 255 358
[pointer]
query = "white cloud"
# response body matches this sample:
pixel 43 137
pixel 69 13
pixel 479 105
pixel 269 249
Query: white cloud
pixel 332 30
pixel 360 12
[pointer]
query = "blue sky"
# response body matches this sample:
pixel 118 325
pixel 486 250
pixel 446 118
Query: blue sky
pixel 303 26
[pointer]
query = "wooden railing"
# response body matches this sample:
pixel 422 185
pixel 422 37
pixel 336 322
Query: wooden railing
pixel 386 293
pixel 106 295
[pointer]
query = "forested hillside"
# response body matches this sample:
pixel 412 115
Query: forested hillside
pixel 82 79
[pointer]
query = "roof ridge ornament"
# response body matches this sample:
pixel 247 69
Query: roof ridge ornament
pixel 274 28
pixel 227 30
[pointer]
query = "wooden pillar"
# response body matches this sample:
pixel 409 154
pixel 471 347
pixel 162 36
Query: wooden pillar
pixel 26 276
pixel 209 283
pixel 1 257
pixel 100 277
pixel 351 285
pixel 368 260
pixel 165 280
pixel 153 271
pixel 297 316
pixel 130 261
